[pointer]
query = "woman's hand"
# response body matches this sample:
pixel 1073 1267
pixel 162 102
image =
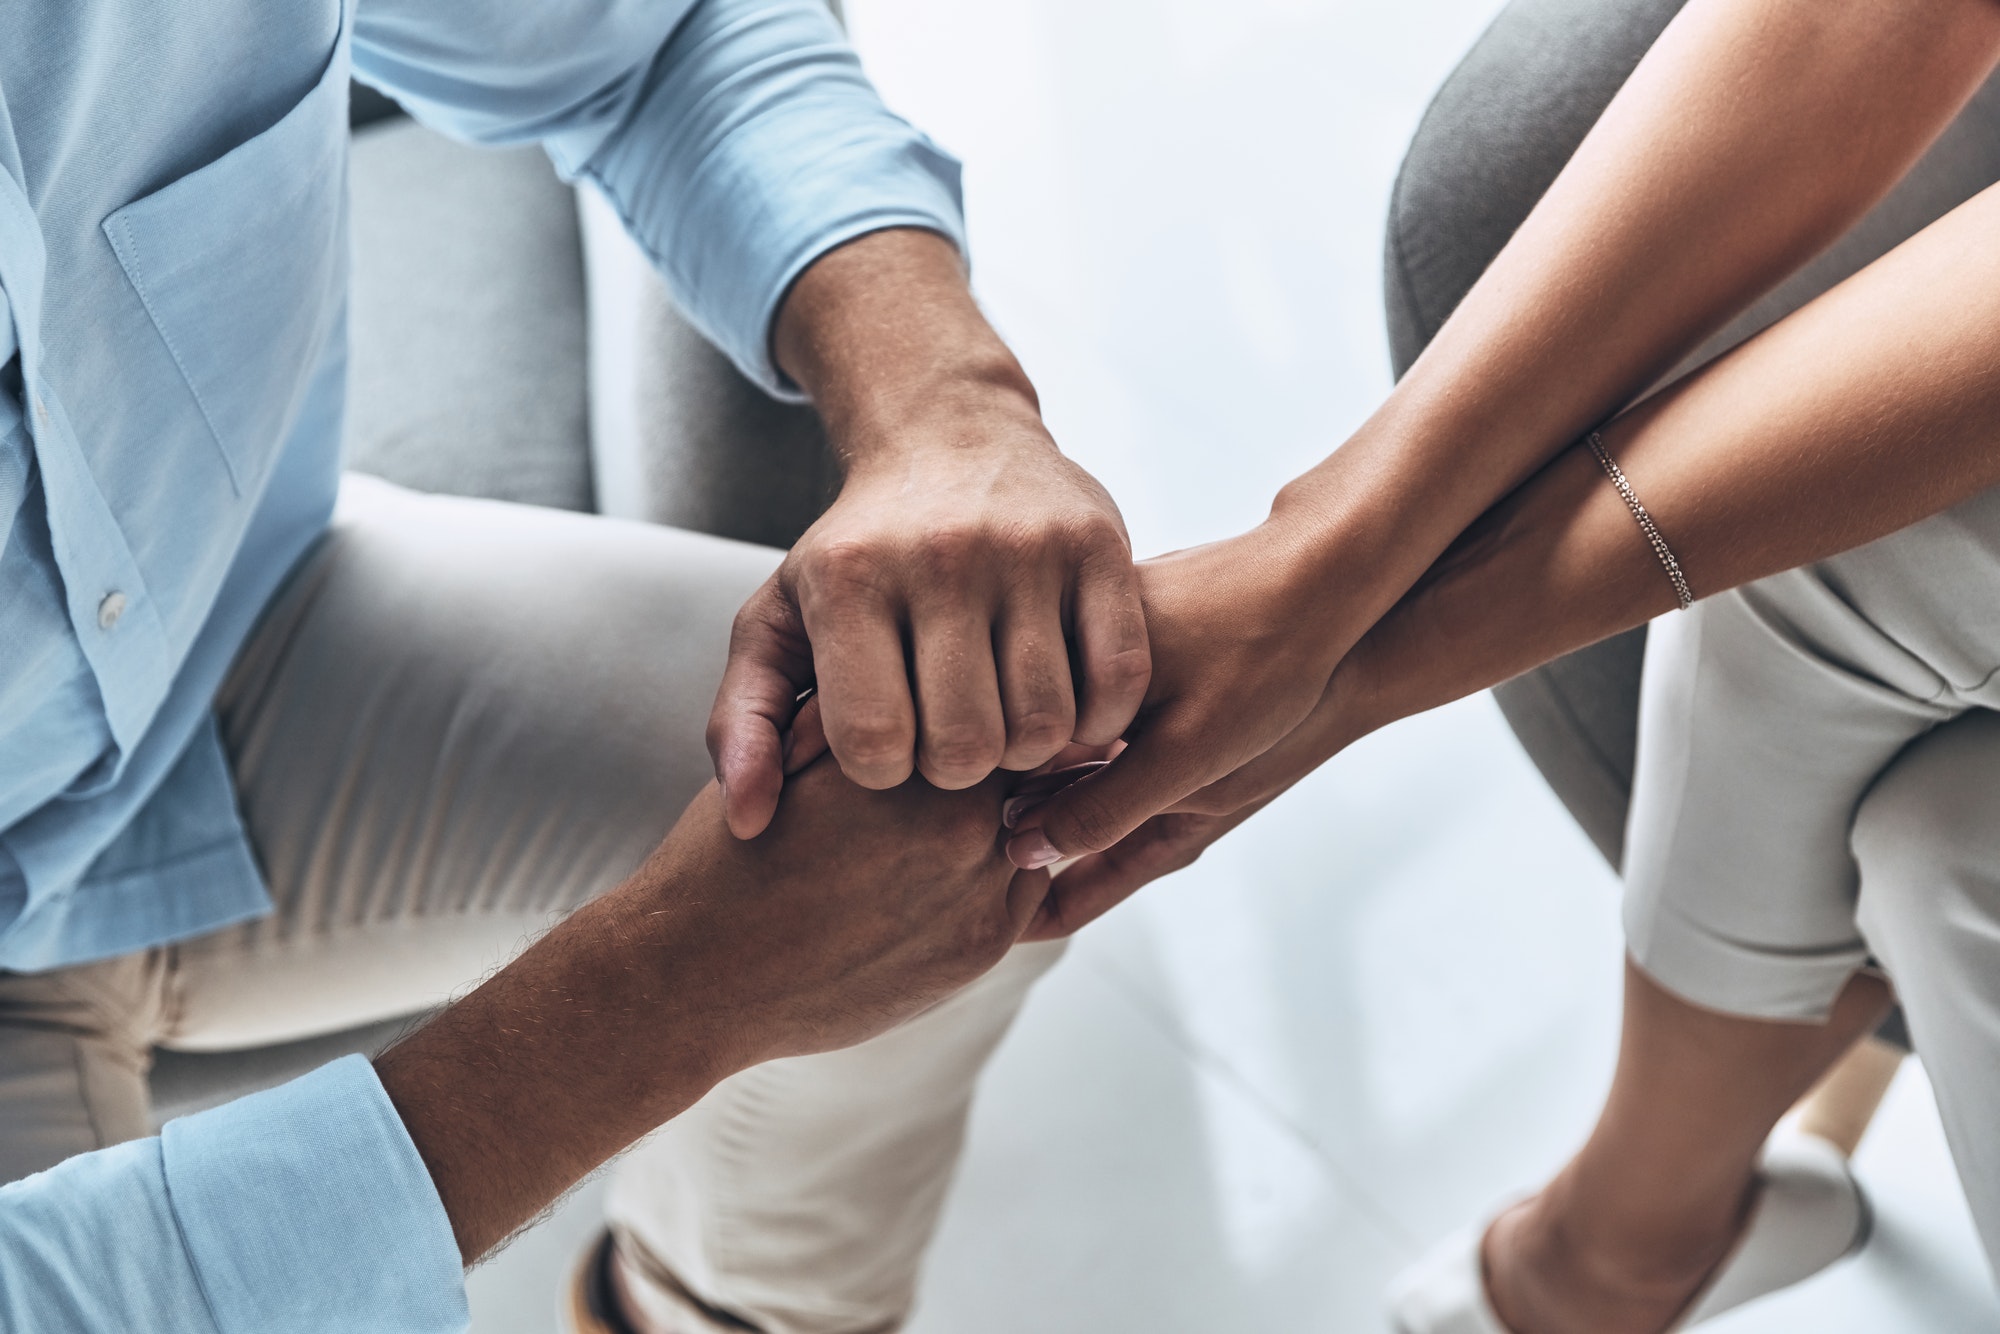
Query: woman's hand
pixel 1245 639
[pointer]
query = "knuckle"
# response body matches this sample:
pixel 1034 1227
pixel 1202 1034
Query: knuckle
pixel 1186 836
pixel 1127 670
pixel 951 554
pixel 844 566
pixel 872 739
pixel 1020 543
pixel 756 623
pixel 961 749
pixel 1096 533
pixel 1044 727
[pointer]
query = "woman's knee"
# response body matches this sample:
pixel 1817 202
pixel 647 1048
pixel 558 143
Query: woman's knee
pixel 1496 135
pixel 1926 839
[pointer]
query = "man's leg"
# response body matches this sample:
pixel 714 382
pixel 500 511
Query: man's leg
pixel 798 1197
pixel 459 720
pixel 75 1045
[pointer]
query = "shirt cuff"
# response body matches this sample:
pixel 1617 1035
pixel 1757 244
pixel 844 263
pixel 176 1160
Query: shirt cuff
pixel 755 147
pixel 307 1209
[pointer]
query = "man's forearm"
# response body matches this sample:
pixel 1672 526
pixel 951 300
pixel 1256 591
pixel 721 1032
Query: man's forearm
pixel 574 1051
pixel 1872 408
pixel 854 911
pixel 1752 135
pixel 968 601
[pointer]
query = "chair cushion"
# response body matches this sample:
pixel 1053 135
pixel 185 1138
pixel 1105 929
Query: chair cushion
pixel 467 331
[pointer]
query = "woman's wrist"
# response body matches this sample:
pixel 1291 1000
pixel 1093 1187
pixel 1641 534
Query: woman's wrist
pixel 1329 548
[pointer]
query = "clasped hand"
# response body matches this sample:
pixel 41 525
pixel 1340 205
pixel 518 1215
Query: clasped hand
pixel 1240 704
pixel 965 605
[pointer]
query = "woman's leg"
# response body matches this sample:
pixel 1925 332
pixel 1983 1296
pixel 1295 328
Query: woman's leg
pixel 1496 135
pixel 1927 839
pixel 1625 1234
pixel 1769 712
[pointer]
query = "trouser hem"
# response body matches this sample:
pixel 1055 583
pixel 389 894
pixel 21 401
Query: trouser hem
pixel 1735 978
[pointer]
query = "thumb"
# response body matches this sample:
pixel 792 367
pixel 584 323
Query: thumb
pixel 1095 812
pixel 770 665
pixel 1027 901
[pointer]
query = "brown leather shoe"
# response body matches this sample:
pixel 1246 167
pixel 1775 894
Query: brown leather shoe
pixel 590 1304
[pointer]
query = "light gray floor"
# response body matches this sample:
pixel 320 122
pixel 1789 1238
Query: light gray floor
pixel 1390 1001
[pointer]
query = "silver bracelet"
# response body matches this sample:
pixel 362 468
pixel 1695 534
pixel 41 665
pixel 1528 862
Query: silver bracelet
pixel 1646 524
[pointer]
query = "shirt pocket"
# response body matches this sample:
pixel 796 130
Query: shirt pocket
pixel 242 265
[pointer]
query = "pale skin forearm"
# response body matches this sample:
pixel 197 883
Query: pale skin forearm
pixel 1751 136
pixel 1874 407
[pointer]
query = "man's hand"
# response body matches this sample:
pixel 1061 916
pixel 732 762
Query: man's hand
pixel 856 911
pixel 969 600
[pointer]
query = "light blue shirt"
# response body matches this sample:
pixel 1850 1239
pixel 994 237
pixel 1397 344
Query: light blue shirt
pixel 173 258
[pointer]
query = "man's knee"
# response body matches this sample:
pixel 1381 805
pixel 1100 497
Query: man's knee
pixel 1926 838
pixel 1496 135
pixel 74 1047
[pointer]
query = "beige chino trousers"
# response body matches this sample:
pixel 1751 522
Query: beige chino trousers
pixel 458 721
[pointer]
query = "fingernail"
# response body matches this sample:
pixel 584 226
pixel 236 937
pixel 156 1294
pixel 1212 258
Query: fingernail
pixel 1016 807
pixel 1032 851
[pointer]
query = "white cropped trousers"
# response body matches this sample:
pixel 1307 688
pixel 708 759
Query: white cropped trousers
pixel 1818 783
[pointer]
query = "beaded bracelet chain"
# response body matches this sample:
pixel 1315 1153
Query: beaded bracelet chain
pixel 1646 524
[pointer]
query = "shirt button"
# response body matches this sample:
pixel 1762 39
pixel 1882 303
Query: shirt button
pixel 109 610
pixel 42 409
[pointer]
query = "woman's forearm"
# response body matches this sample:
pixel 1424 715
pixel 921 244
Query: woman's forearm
pixel 1872 408
pixel 1751 136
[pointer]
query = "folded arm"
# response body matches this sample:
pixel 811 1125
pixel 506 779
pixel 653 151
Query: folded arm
pixel 1874 407
pixel 1871 408
pixel 1751 136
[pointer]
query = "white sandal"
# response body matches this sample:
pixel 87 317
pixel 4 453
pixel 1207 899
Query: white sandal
pixel 1810 1212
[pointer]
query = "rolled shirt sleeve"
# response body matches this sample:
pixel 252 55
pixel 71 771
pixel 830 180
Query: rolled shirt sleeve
pixel 301 1210
pixel 743 143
